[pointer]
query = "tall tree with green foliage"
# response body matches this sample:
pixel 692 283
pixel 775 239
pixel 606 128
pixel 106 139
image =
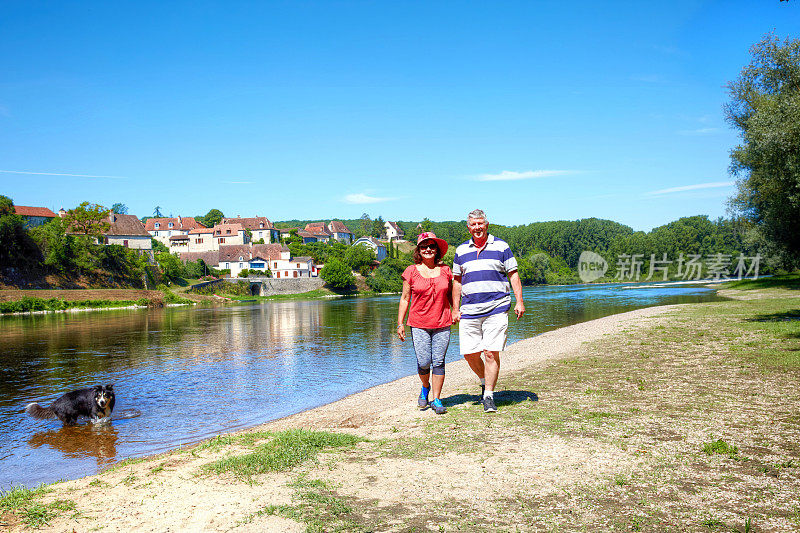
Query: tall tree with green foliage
pixel 366 224
pixel 211 219
pixel 765 109
pixel 119 209
pixel 88 219
pixel 16 246
pixel 157 212
pixel 337 274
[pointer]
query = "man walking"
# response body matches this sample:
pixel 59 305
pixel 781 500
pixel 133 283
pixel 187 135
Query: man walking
pixel 483 270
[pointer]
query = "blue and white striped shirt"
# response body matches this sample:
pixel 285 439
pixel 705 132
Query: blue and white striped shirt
pixel 485 289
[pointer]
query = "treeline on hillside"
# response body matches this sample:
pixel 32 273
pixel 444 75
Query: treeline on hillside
pixel 28 254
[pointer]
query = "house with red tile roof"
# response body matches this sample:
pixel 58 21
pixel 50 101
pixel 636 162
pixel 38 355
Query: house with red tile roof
pixel 340 232
pixel 201 240
pixel 260 228
pixel 34 216
pixel 227 234
pixel 163 228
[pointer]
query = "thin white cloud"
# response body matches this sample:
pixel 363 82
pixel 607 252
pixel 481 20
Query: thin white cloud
pixel 361 198
pixel 698 186
pixel 510 175
pixel 240 182
pixel 62 174
pixel 699 131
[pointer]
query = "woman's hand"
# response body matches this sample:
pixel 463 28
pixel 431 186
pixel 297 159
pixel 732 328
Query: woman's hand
pixel 401 332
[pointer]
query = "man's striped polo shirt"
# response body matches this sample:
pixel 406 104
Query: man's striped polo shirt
pixel 485 289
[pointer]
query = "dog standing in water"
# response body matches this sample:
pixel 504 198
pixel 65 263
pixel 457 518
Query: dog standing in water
pixel 94 403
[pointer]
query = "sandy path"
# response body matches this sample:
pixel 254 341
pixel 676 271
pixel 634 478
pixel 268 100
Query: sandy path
pixel 165 493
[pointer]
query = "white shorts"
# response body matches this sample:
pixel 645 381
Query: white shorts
pixel 485 333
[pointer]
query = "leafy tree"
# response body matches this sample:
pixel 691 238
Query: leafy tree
pixel 171 265
pixel 366 224
pixel 211 219
pixel 16 246
pixel 378 227
pixel 88 219
pixel 158 246
pixel 359 257
pixel 337 274
pixel 120 209
pixel 765 109
pixel 157 212
pixel 387 277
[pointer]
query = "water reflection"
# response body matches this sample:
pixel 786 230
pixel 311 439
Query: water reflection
pixel 98 441
pixel 193 373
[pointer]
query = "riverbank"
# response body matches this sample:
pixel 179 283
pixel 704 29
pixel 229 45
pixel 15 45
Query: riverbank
pixel 680 417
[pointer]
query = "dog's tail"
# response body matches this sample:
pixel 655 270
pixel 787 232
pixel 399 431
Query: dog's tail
pixel 37 411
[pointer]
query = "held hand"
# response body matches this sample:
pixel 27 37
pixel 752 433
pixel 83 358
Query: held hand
pixel 456 315
pixel 401 333
pixel 519 310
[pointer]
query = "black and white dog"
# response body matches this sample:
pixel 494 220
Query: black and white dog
pixel 94 403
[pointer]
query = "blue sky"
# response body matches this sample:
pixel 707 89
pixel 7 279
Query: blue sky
pixel 529 110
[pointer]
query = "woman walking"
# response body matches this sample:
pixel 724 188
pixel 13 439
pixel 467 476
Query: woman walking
pixel 427 285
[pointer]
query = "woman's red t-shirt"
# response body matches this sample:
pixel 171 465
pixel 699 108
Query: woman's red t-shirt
pixel 430 306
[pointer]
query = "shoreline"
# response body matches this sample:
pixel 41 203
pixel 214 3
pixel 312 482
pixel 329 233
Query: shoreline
pixel 599 423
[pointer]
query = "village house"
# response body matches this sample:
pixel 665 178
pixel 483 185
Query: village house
pixel 250 257
pixel 227 234
pixel 296 267
pixel 260 228
pixel 374 244
pixel 340 232
pixel 128 231
pixel 393 231
pixel 201 240
pixel 34 216
pixel 164 228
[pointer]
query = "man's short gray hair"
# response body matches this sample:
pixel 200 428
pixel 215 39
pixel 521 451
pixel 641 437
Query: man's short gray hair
pixel 477 213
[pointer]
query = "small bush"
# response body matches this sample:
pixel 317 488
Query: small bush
pixel 721 447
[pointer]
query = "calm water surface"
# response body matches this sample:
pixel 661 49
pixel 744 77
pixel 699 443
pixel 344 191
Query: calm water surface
pixel 185 374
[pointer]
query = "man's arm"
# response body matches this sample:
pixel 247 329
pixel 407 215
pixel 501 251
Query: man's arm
pixel 516 286
pixel 456 312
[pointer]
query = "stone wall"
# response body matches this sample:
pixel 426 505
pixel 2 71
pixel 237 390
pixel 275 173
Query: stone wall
pixel 271 286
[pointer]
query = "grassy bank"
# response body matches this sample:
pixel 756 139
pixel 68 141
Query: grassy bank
pixel 685 422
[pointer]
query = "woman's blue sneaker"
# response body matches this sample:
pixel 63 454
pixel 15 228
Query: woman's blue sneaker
pixel 423 398
pixel 438 407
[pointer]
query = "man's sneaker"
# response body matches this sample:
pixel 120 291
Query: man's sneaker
pixel 438 407
pixel 423 398
pixel 488 405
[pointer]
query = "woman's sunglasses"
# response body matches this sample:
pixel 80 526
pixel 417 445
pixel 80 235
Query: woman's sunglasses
pixel 429 245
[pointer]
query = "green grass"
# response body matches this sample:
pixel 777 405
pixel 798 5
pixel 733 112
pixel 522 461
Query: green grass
pixel 283 451
pixel 787 281
pixel 24 503
pixel 720 447
pixel 28 304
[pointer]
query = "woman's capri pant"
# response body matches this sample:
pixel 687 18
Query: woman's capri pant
pixel 431 347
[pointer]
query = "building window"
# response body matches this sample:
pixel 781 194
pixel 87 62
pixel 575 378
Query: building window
pixel 222 239
pixel 170 225
pixel 157 225
pixel 125 243
pixel 295 273
pixel 227 232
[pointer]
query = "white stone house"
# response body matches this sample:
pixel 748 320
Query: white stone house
pixel 127 231
pixel 393 231
pixel 201 240
pixel 229 234
pixel 250 257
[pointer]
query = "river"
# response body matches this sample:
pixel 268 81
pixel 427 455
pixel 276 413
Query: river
pixel 185 374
